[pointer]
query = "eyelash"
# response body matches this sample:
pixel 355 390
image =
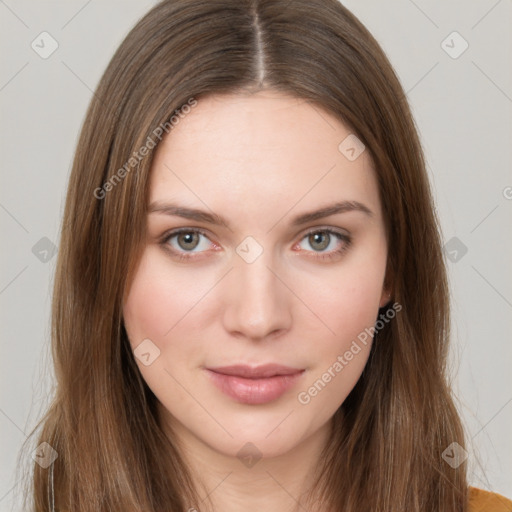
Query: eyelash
pixel 183 256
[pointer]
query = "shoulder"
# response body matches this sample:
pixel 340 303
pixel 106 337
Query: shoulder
pixel 486 501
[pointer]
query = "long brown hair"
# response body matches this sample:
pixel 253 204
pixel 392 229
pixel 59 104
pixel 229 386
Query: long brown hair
pixel 385 453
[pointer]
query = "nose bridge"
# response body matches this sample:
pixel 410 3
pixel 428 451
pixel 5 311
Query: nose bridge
pixel 258 302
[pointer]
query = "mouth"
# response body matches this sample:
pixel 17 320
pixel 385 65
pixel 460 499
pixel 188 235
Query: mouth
pixel 256 372
pixel 254 385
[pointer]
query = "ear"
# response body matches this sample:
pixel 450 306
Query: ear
pixel 385 298
pixel 387 287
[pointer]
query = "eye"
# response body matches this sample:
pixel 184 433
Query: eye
pixel 187 241
pixel 184 243
pixel 326 238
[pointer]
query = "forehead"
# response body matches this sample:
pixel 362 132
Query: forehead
pixel 267 148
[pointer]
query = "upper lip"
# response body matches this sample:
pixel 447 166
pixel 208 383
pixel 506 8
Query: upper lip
pixel 256 372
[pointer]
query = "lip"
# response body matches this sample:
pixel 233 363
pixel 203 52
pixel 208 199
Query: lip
pixel 254 385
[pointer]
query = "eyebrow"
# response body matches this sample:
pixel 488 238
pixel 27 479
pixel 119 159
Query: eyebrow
pixel 303 218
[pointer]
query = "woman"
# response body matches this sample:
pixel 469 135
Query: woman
pixel 250 306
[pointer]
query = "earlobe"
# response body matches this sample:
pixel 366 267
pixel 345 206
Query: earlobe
pixel 385 298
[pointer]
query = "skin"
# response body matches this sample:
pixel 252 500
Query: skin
pixel 258 161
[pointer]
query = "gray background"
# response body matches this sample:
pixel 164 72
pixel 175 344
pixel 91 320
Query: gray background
pixel 462 108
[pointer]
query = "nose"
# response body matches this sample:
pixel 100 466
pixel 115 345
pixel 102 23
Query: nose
pixel 258 302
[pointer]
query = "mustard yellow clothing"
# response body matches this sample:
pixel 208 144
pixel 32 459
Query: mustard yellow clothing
pixel 485 501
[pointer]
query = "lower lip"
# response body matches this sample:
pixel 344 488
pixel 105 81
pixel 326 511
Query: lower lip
pixel 254 391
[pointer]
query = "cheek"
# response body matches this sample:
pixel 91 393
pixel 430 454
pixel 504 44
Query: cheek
pixel 347 301
pixel 347 313
pixel 159 298
pixel 347 298
pixel 143 311
pixel 349 309
pixel 155 309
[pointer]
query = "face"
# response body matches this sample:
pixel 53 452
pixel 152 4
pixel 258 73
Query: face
pixel 235 273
